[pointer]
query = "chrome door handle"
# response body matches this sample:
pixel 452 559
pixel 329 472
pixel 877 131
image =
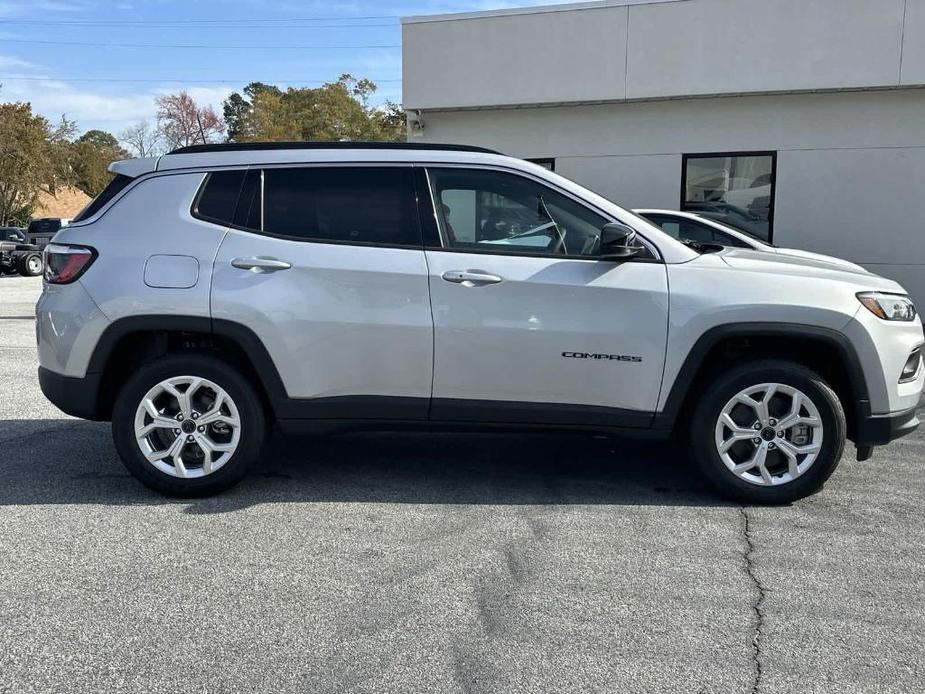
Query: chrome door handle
pixel 260 264
pixel 470 278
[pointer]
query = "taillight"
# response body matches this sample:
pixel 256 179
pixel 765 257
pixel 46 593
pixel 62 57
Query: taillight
pixel 65 264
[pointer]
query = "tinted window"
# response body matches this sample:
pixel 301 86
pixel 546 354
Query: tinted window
pixel 736 189
pixel 493 211
pixel 115 186
pixel 687 229
pixel 247 214
pixel 219 196
pixel 347 205
pixel 45 226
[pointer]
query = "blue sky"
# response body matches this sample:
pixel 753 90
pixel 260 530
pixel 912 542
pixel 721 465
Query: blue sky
pixel 94 83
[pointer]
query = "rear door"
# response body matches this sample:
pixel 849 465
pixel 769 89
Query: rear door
pixel 529 325
pixel 326 266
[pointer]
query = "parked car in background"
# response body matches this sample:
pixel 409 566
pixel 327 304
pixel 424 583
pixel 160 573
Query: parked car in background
pixel 17 254
pixel 42 230
pixel 695 228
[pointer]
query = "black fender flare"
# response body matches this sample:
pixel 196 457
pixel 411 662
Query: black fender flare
pixel 667 418
pixel 245 338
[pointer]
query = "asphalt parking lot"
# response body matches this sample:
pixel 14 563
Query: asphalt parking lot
pixel 443 563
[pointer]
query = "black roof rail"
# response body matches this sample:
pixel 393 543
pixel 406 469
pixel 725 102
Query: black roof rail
pixel 260 146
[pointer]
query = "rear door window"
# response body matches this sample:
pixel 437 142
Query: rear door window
pixel 354 205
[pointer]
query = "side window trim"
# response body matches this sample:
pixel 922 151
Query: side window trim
pixel 432 213
pixel 263 199
pixel 427 210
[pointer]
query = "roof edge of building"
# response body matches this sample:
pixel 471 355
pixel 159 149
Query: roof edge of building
pixel 537 9
pixel 678 97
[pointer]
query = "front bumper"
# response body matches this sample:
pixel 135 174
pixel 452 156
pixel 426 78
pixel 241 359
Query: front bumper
pixel 878 430
pixel 78 397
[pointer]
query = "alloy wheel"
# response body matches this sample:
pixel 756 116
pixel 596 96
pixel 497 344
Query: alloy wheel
pixel 769 434
pixel 187 426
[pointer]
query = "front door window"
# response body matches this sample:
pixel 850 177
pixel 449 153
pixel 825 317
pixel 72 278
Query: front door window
pixel 498 212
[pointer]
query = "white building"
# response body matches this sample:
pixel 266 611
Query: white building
pixel 802 120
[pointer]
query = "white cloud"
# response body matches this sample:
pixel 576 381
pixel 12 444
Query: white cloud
pixel 92 108
pixel 10 63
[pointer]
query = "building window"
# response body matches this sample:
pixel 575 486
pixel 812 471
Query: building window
pixel 734 188
pixel 545 163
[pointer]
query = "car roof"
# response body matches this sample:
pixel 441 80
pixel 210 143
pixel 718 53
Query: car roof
pixel 261 153
pixel 264 146
pixel 252 156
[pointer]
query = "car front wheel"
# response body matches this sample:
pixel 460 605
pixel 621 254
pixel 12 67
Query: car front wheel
pixel 768 431
pixel 188 425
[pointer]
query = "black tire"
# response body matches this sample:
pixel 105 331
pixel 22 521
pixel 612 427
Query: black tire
pixel 723 387
pixel 26 260
pixel 250 410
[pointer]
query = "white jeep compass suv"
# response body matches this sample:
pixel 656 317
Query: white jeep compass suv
pixel 218 289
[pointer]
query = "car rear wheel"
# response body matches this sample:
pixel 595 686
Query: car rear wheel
pixel 768 432
pixel 188 425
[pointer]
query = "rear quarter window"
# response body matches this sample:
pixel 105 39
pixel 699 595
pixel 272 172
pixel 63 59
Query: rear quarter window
pixel 115 186
pixel 218 196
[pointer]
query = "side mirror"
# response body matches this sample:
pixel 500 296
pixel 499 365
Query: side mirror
pixel 618 242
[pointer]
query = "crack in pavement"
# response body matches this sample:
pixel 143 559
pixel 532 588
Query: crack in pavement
pixel 758 605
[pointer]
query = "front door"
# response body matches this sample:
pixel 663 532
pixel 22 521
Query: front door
pixel 529 326
pixel 328 271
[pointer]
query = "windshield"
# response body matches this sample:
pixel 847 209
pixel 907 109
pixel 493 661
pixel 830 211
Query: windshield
pixel 730 217
pixel 723 221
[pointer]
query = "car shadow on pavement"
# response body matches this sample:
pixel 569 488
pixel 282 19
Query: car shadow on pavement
pixel 74 462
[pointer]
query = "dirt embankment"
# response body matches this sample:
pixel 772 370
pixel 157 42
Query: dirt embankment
pixel 66 203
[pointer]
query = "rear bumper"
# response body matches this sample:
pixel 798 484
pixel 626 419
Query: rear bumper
pixel 78 397
pixel 877 430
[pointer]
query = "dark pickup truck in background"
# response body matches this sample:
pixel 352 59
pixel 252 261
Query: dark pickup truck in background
pixel 41 231
pixel 18 254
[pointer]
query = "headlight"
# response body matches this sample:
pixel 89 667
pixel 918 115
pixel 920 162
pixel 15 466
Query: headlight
pixel 888 306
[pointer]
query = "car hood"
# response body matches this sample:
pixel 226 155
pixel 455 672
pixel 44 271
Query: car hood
pixel 797 253
pixel 792 262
